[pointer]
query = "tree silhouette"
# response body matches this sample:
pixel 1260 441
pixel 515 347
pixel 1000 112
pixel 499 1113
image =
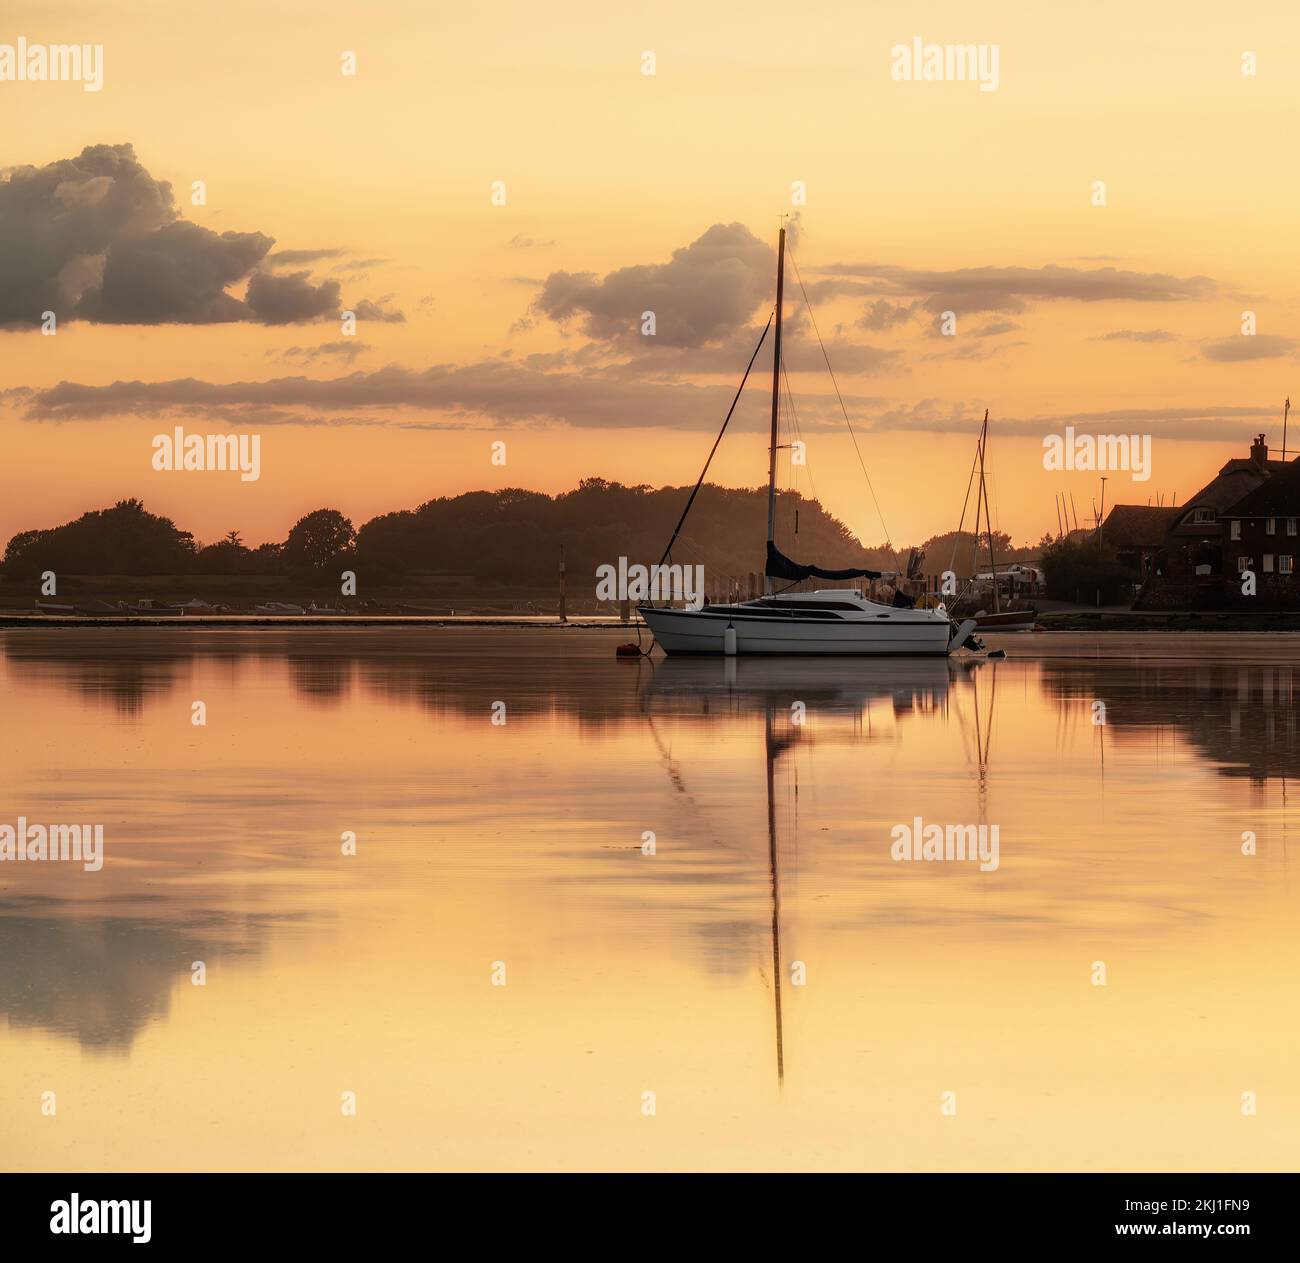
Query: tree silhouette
pixel 318 541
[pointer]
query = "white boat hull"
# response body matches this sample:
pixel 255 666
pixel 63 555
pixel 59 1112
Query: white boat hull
pixel 898 633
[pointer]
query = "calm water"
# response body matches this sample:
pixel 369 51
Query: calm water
pixel 627 973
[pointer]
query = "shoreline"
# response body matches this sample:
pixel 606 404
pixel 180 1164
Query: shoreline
pixel 1071 621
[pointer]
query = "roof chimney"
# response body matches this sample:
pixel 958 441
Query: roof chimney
pixel 1259 451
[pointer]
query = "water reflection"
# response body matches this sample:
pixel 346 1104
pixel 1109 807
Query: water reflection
pixel 102 979
pixel 1240 715
pixel 771 789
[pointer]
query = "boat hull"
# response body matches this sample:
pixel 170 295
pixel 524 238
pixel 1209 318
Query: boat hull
pixel 704 632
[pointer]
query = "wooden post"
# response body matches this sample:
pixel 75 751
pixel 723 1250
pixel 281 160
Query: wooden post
pixel 564 616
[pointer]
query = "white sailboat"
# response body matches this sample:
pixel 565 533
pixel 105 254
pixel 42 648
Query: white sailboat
pixel 827 621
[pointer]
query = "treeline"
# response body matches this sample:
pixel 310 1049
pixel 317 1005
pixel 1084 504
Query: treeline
pixel 510 536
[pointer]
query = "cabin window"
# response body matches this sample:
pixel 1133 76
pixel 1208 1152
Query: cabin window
pixel 1202 516
pixel 1290 526
pixel 1235 529
pixel 1268 563
pixel 1243 564
pixel 1271 526
pixel 1286 564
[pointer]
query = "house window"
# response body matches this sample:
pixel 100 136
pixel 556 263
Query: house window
pixel 1290 526
pixel 1234 529
pixel 1286 564
pixel 1202 516
pixel 1271 527
pixel 1243 564
pixel 1268 563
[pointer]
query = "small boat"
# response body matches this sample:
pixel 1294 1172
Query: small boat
pixel 98 608
pixel 197 606
pixel 827 621
pixel 155 609
pixel 48 607
pixel 1006 620
pixel 313 608
pixel 277 607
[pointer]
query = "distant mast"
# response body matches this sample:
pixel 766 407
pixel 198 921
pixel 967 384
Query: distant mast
pixel 776 399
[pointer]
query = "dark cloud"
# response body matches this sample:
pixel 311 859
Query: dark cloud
pixel 1261 346
pixel 706 291
pixel 508 392
pixel 882 315
pixel 291 298
pixel 1008 289
pixel 505 390
pixel 175 275
pixel 291 258
pixel 368 310
pixel 97 238
pixel 1136 335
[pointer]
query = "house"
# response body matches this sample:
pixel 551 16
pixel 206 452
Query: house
pixel 1188 570
pixel 1137 533
pixel 1261 537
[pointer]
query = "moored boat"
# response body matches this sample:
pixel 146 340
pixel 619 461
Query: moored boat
pixel 827 621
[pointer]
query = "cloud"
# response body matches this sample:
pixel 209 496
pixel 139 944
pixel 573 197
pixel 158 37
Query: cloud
pixel 706 291
pixel 1261 346
pixel 504 391
pixel 345 349
pixel 290 299
pixel 97 238
pixel 995 329
pixel 367 310
pixel 1136 335
pixel 291 258
pixel 1008 289
pixel 176 275
pixel 1220 423
pixel 521 241
pixel 882 314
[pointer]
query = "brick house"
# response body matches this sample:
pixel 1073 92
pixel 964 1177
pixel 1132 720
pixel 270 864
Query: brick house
pixel 1262 534
pixel 1189 570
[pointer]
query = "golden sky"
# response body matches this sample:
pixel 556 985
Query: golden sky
pixel 520 322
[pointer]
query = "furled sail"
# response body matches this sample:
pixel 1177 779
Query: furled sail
pixel 779 566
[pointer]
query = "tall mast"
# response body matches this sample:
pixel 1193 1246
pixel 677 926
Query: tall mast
pixel 776 399
pixel 988 517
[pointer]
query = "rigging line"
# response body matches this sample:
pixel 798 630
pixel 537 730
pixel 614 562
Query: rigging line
pixel 681 520
pixel 970 482
pixel 797 431
pixel 843 409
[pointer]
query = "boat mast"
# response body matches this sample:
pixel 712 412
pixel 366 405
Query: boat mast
pixel 988 517
pixel 776 399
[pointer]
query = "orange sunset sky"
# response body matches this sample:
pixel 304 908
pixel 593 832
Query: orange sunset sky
pixel 627 192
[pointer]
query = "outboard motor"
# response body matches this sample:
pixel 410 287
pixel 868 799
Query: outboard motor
pixel 964 637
